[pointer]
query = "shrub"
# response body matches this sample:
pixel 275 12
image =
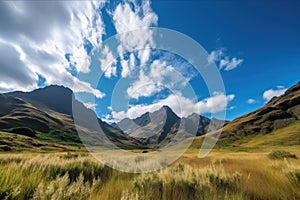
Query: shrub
pixel 69 156
pixel 281 155
pixel 23 131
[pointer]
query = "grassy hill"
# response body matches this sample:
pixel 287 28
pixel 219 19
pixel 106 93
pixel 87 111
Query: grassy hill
pixel 11 142
pixel 45 114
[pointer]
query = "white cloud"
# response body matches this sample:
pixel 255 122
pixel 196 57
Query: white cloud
pixel 251 101
pixel 144 87
pixel 219 57
pixel 269 94
pixel 216 55
pixel 181 105
pixel 15 75
pixel 43 33
pixel 127 65
pixel 90 105
pixel 127 18
pixel 159 77
pixel 132 17
pixel 108 63
pixel 118 116
pixel 107 118
pixel 144 55
pixel 228 64
pixel 232 107
pixel 81 86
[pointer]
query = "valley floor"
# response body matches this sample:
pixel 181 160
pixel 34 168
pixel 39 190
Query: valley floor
pixel 220 175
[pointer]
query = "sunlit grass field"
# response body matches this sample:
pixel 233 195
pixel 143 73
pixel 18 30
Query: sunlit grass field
pixel 263 166
pixel 220 175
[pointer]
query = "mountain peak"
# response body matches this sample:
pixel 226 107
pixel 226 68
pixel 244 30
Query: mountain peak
pixel 55 97
pixel 169 111
pixel 55 88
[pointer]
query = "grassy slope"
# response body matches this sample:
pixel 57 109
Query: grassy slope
pixel 287 137
pixel 19 143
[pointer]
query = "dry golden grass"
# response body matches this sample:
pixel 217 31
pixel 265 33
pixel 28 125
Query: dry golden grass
pixel 220 175
pixel 261 177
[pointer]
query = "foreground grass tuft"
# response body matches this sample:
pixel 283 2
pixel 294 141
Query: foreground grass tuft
pixel 184 182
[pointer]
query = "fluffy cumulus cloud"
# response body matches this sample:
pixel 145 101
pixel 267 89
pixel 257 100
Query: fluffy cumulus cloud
pixel 181 105
pixel 130 16
pixel 160 76
pixel 38 36
pixel 269 94
pixel 223 61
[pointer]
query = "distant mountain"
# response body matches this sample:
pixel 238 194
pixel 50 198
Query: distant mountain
pixel 278 113
pixel 46 114
pixel 158 128
pixel 150 128
pixel 54 97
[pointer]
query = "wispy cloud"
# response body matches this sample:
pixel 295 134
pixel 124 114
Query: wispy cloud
pixel 223 61
pixel 90 105
pixel 251 101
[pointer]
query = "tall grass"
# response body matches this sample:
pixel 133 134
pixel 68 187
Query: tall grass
pixel 79 176
pixel 51 177
pixel 185 182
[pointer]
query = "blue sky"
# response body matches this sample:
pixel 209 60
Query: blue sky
pixel 264 33
pixel 255 46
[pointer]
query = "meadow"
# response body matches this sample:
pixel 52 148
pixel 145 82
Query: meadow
pixel 220 175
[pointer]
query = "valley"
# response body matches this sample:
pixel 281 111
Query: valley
pixel 256 157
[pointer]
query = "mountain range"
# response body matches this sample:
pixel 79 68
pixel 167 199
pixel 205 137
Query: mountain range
pixel 45 117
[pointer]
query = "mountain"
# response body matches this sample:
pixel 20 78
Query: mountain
pixel 44 118
pixel 278 114
pixel 54 97
pixel 160 127
pixel 46 114
pixel 150 128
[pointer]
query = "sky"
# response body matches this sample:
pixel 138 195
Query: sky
pixel 253 45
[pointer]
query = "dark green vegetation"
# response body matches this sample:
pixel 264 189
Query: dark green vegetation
pixel 281 155
pixel 11 142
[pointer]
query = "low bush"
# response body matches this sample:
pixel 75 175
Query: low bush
pixel 23 131
pixel 281 155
